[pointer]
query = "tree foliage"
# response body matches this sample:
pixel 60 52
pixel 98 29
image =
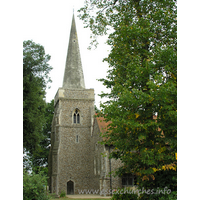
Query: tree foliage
pixel 96 109
pixel 35 79
pixel 34 186
pixel 142 76
pixel 40 157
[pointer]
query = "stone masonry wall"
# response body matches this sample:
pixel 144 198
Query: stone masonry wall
pixel 74 158
pixel 85 162
pixel 98 163
pixel 102 164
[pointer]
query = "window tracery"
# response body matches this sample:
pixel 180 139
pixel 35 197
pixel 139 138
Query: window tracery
pixel 76 116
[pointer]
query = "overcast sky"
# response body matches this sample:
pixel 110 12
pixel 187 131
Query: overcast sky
pixel 48 23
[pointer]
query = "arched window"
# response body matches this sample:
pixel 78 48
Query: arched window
pixel 76 116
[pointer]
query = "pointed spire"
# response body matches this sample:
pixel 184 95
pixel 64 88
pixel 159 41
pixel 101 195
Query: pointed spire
pixel 73 76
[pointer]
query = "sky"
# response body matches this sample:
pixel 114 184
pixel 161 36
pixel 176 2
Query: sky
pixel 48 23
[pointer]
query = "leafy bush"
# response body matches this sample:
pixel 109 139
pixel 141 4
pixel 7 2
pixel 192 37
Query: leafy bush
pixel 34 186
pixel 124 194
pixel 171 196
pixel 162 195
pixel 62 194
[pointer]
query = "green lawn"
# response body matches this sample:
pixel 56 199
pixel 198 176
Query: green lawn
pixel 66 198
pixel 74 199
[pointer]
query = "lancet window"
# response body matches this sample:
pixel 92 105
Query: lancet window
pixel 76 116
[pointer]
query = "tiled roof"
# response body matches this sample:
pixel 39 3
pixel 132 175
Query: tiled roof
pixel 102 124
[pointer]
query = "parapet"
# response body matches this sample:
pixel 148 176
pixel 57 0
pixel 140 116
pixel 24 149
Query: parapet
pixel 79 94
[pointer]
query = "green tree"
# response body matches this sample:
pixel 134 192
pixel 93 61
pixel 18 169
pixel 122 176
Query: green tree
pixel 34 186
pixel 96 109
pixel 40 158
pixel 35 79
pixel 142 77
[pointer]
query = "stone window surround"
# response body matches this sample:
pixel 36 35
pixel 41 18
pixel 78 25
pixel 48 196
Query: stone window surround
pixel 76 117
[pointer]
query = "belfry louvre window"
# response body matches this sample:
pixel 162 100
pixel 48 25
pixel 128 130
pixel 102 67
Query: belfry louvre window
pixel 76 117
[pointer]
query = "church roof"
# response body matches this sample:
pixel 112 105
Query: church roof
pixel 73 75
pixel 102 124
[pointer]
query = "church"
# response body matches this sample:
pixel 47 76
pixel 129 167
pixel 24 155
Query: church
pixel 77 162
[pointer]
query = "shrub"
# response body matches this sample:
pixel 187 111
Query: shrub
pixel 171 196
pixel 62 194
pixel 124 194
pixel 34 186
pixel 159 196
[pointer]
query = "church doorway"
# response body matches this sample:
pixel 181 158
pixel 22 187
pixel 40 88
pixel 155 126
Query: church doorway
pixel 70 187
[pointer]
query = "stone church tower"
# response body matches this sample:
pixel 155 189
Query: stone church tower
pixel 76 160
pixel 69 158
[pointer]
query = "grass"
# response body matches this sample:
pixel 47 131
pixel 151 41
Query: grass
pixel 65 198
pixel 74 199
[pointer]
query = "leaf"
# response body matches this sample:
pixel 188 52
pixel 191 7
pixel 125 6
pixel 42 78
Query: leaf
pixel 143 70
pixel 137 115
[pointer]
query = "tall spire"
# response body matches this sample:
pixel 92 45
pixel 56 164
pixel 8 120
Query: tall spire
pixel 73 76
